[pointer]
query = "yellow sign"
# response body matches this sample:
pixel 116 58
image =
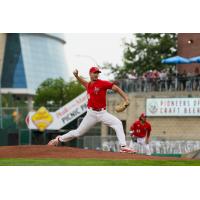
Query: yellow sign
pixel 42 118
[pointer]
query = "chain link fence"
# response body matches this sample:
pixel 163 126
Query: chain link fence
pixel 13 128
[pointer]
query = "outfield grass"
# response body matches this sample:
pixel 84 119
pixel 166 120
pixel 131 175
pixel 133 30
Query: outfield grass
pixel 95 162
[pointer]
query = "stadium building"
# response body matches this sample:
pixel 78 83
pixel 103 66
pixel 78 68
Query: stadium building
pixel 27 59
pixel 188 47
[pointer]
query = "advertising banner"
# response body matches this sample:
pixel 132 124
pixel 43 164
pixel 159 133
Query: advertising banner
pixel 44 120
pixel 183 107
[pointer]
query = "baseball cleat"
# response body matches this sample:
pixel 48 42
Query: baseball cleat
pixel 55 142
pixel 127 150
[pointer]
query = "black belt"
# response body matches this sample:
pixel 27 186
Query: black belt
pixel 99 109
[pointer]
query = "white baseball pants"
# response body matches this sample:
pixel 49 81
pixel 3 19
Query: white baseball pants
pixel 141 141
pixel 91 118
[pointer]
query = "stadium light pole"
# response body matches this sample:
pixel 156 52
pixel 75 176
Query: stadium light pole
pixel 90 57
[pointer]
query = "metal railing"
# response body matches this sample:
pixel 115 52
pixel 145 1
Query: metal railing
pixel 161 85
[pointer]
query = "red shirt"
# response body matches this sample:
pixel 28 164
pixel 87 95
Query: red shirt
pixel 96 92
pixel 139 129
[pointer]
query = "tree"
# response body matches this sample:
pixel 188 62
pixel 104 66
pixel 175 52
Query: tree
pixel 56 92
pixel 145 53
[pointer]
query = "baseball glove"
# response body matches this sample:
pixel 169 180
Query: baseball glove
pixel 121 107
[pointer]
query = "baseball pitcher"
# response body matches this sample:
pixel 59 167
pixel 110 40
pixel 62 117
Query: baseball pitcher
pixel 96 110
pixel 140 133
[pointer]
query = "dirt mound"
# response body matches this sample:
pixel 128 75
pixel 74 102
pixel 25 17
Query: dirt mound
pixel 43 151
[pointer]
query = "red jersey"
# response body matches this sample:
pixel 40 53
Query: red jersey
pixel 96 92
pixel 139 129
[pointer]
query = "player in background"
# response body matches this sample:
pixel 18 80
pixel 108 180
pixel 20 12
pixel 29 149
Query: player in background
pixel 140 133
pixel 96 110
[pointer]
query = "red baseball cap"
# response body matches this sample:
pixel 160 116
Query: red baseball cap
pixel 143 115
pixel 94 69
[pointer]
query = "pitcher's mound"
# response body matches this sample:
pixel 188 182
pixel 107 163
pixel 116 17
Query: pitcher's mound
pixel 43 151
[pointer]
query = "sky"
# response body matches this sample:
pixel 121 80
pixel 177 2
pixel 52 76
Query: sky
pixel 84 50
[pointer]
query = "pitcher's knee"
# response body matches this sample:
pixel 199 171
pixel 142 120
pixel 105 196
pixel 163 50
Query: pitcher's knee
pixel 118 122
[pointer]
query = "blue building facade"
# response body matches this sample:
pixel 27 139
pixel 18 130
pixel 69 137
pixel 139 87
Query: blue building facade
pixel 31 58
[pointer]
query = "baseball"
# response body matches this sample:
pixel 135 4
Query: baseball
pixel 75 72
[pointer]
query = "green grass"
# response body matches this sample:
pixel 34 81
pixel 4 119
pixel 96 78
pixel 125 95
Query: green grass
pixel 95 162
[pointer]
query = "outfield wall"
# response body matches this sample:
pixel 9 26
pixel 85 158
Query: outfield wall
pixel 176 128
